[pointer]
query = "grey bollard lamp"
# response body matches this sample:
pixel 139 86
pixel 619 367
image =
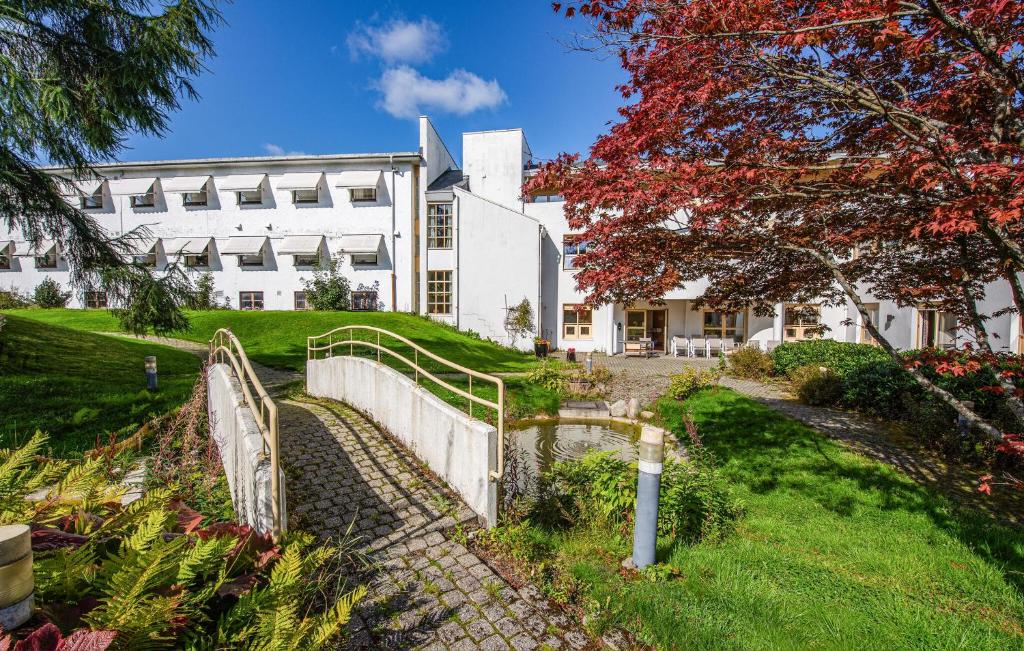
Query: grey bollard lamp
pixel 651 463
pixel 151 373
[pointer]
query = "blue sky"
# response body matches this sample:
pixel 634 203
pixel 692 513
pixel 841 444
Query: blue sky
pixel 344 77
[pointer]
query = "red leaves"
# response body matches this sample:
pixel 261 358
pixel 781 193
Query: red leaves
pixel 48 638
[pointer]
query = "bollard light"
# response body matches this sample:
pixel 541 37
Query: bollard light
pixel 645 532
pixel 590 363
pixel 17 601
pixel 151 373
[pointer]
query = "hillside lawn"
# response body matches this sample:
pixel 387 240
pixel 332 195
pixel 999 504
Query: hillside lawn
pixel 833 551
pixel 78 386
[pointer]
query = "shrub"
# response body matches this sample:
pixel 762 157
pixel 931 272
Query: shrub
pixel 328 290
pixel 12 299
pixel 690 381
pixel 548 376
pixel 750 363
pixel 838 356
pixel 519 321
pixel 879 388
pixel 816 385
pixel 48 294
pixel 204 295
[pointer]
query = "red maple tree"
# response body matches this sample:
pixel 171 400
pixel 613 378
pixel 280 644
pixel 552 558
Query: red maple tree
pixel 791 150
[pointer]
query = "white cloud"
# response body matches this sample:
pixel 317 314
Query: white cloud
pixel 407 93
pixel 399 41
pixel 277 150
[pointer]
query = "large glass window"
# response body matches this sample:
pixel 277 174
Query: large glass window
pixel 936 329
pixel 724 325
pixel 801 322
pixel 636 325
pixel 300 301
pixel 577 322
pixel 439 226
pixel 364 300
pixel 95 299
pixel 439 292
pixel 250 300
pixel 571 247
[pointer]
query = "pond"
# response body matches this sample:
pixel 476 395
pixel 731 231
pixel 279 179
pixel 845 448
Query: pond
pixel 544 443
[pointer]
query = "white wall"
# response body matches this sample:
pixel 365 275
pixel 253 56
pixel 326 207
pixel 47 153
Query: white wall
pixel 497 257
pixel 459 449
pixel 494 161
pixel 240 443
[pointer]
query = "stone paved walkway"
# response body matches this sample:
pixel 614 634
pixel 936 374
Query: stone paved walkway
pixel 426 589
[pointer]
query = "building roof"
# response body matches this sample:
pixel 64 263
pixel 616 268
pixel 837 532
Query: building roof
pixel 448 179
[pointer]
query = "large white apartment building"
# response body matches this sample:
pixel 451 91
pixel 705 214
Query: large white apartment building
pixel 414 231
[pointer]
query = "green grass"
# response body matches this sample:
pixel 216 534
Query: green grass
pixel 834 551
pixel 77 386
pixel 278 339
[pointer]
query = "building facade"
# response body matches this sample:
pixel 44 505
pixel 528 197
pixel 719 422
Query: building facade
pixel 413 231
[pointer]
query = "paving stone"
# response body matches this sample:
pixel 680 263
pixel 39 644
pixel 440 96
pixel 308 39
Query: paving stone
pixel 494 643
pixel 480 629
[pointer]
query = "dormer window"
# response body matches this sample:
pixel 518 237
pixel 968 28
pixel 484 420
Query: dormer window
pixel 194 251
pixel 250 197
pixel 92 201
pixel 361 185
pixel 251 250
pixel 362 194
pixel 87 192
pixel 48 258
pixel 194 190
pixel 306 196
pixel 5 255
pixel 141 192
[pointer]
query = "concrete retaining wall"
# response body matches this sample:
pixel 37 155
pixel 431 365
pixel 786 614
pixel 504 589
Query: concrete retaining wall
pixel 459 449
pixel 241 450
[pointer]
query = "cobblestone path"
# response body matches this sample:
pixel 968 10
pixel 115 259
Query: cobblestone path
pixel 426 589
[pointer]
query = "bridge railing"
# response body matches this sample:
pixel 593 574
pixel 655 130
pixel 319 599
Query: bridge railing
pixel 225 348
pixel 346 341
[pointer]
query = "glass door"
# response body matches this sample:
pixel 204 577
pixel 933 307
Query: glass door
pixel 636 325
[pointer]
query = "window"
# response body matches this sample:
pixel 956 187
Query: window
pixel 547 198
pixel 311 195
pixel 636 325
pixel 571 247
pixel 306 260
pixel 5 257
pixel 251 260
pixel 193 199
pixel 95 299
pixel 145 260
pixel 935 329
pixel 300 301
pixel 93 201
pixel 577 322
pixel 364 259
pixel 47 260
pixel 364 300
pixel 873 313
pixel 250 197
pixel 439 226
pixel 362 194
pixel 147 200
pixel 801 322
pixel 198 260
pixel 439 292
pixel 250 300
pixel 724 325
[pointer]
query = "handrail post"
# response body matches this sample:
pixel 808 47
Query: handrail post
pixel 416 360
pixel 470 393
pixel 378 346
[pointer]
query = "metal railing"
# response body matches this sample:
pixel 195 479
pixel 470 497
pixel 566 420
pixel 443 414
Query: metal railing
pixel 224 346
pixel 343 338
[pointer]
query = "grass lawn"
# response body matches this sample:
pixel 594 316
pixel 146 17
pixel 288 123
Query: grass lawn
pixel 834 551
pixel 278 339
pixel 78 385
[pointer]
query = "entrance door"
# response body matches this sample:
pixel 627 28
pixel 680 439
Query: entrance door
pixel 658 329
pixel 636 325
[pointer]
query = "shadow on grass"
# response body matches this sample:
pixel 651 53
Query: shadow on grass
pixel 768 453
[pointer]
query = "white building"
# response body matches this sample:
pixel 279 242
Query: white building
pixel 415 232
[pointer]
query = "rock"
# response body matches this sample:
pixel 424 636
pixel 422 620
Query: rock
pixel 647 415
pixel 618 409
pixel 633 408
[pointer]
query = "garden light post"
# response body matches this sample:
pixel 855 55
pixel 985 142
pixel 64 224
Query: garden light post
pixel 645 532
pixel 16 584
pixel 151 373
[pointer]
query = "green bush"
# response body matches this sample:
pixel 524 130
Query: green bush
pixel 328 290
pixel 839 356
pixel 12 299
pixel 816 385
pixel 48 294
pixel 750 363
pixel 880 388
pixel 548 376
pixel 690 381
pixel 696 502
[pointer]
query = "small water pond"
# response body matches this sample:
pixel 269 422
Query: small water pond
pixel 545 442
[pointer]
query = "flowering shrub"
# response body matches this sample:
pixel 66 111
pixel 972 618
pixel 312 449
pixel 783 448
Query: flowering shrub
pixel 690 381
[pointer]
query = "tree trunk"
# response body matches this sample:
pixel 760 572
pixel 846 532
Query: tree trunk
pixel 926 384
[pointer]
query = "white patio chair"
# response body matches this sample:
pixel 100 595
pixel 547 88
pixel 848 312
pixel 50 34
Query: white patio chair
pixel 698 347
pixel 728 346
pixel 714 346
pixel 680 346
